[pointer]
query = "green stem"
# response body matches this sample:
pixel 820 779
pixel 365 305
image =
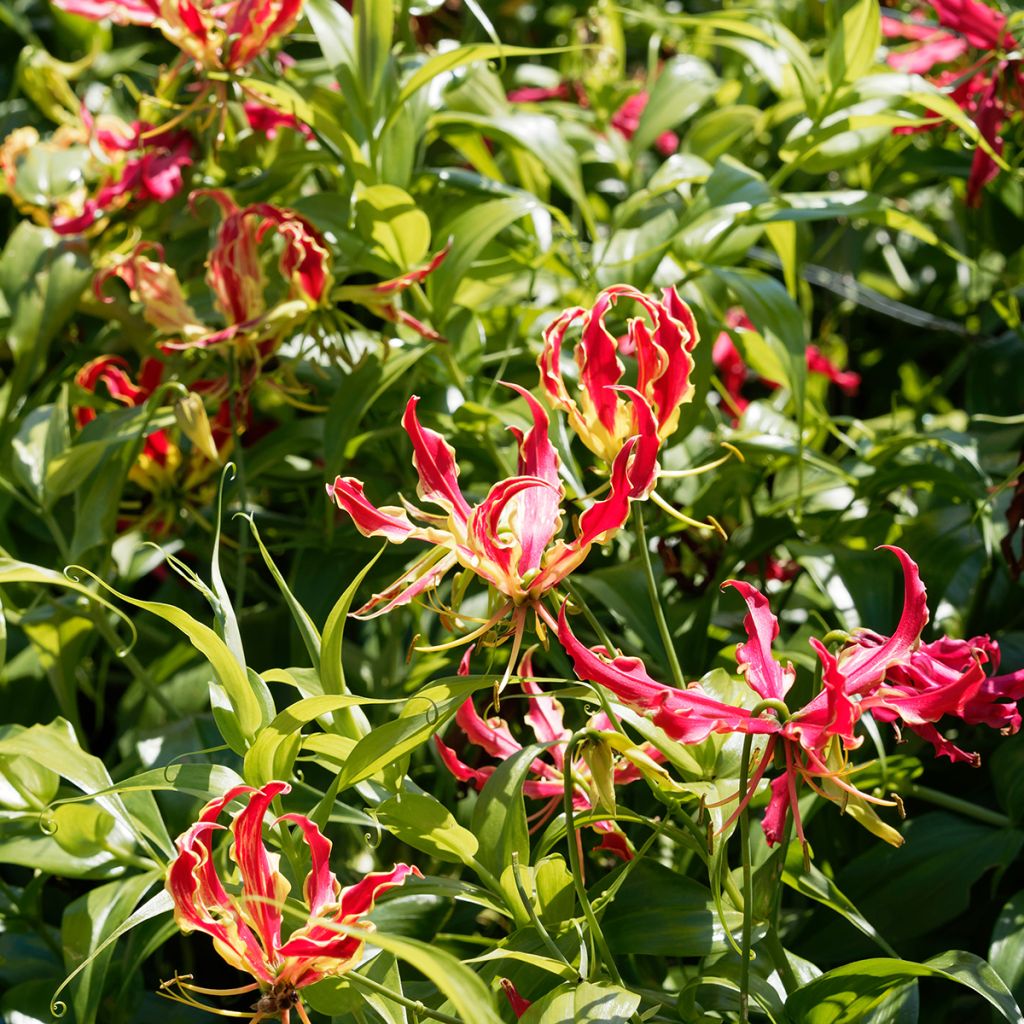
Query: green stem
pixel 953 803
pixel 361 981
pixel 538 925
pixel 748 885
pixel 652 590
pixel 574 864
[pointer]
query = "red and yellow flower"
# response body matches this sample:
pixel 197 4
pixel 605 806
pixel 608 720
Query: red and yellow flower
pixel 245 922
pixel 606 413
pixel 510 539
pixel 217 36
pixel 895 678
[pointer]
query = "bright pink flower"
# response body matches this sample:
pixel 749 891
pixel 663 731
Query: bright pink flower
pixel 246 928
pixel 608 412
pixel 236 277
pixel 509 538
pixel 894 678
pixel 982 82
pixel 217 36
pixel 734 373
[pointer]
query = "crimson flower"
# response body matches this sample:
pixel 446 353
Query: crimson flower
pixel 733 371
pixel 509 539
pixel 607 412
pixel 895 678
pixel 217 36
pixel 236 277
pixel 108 166
pixel 969 53
pixel 246 925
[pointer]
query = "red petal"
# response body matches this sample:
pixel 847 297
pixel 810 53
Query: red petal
pixel 764 675
pixel 434 460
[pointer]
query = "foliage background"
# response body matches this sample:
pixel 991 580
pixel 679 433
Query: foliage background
pixel 788 194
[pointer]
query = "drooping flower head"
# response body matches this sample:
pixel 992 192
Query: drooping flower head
pixel 236 276
pixel 510 538
pixel 217 36
pixel 244 916
pixel 606 411
pixel 889 677
pixel 175 476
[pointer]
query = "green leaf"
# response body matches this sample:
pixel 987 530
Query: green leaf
pixel 249 710
pixel 849 993
pixel 499 817
pixel 466 993
pixel 681 921
pixel 374 27
pixel 779 321
pixel 854 37
pixel 43 435
pixel 425 824
pixel 390 218
pixel 55 747
pixel 42 277
pixel 684 84
pixel 424 714
pixel 86 930
pixel 272 755
pixel 586 1003
pixel 459 57
pixel 1006 953
pixel 470 232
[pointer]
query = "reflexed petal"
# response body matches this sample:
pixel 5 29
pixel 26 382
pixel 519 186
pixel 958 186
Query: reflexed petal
pixel 369 520
pixel 863 666
pixel 435 463
pixel 320 888
pixel 764 675
pixel 421 577
pixel 264 887
pixel 492 733
pixel 459 768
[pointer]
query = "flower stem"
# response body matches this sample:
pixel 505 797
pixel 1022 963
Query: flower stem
pixel 748 886
pixel 652 590
pixel 361 981
pixel 953 803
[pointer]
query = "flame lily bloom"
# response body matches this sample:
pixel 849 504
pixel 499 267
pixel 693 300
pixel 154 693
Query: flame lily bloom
pixel 982 82
pixel 509 538
pixel 733 371
pixel 236 278
pixel 607 413
pixel 887 676
pixel 246 927
pixel 169 475
pixel 545 718
pixel 217 36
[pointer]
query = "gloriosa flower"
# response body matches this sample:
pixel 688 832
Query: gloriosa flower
pixel 174 479
pixel 246 925
pixel 509 538
pixel 217 36
pixel 236 277
pixel 607 412
pixel 894 678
